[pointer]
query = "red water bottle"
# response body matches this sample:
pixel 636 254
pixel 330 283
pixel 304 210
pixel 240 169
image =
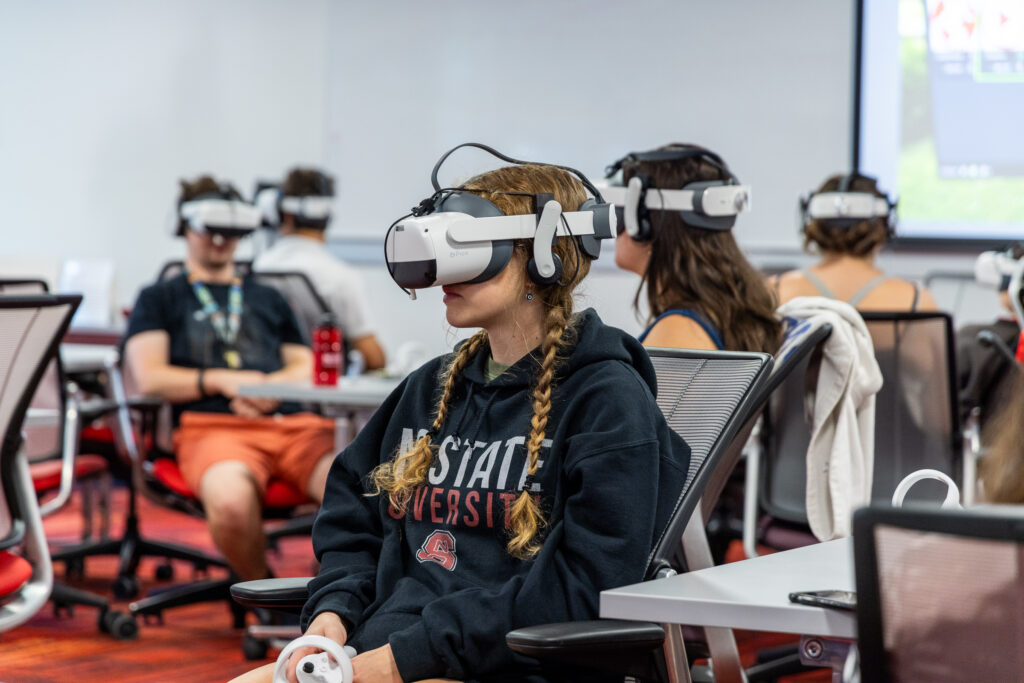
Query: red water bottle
pixel 327 362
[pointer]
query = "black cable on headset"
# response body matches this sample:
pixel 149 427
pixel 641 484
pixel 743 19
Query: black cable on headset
pixel 583 179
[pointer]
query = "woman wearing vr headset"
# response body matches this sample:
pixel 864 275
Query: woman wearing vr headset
pixel 505 484
pixel 702 292
pixel 847 221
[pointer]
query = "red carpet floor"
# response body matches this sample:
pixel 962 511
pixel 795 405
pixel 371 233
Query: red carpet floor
pixel 196 644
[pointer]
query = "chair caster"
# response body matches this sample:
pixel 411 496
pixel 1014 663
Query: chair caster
pixel 126 587
pixel 63 609
pixel 74 569
pixel 118 624
pixel 165 572
pixel 253 648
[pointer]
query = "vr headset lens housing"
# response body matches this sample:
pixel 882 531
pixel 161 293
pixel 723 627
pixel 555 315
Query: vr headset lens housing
pixel 224 217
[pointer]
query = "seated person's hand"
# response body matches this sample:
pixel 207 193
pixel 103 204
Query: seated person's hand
pixel 227 382
pixel 329 625
pixel 375 666
pixel 246 406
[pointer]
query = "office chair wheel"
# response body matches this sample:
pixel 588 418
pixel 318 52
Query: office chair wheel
pixel 74 569
pixel 118 624
pixel 126 587
pixel 253 648
pixel 165 572
pixel 61 608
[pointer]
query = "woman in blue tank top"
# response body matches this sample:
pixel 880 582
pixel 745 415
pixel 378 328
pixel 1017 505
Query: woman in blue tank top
pixel 702 292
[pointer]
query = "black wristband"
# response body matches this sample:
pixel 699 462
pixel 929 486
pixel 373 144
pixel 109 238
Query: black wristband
pixel 199 383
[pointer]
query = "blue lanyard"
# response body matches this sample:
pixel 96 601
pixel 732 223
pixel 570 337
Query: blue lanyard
pixel 227 332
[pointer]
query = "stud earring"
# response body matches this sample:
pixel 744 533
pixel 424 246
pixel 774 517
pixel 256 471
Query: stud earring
pixel 529 296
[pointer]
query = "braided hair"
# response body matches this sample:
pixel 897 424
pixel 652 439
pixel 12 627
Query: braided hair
pixel 401 476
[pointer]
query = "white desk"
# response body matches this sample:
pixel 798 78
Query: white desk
pixel 751 594
pixel 350 403
pixel 351 392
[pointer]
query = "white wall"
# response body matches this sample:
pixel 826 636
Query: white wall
pixel 765 84
pixel 105 105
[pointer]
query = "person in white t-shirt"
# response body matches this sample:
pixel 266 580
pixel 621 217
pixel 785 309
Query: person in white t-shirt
pixel 301 209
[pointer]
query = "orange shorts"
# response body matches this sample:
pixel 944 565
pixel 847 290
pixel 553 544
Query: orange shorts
pixel 285 447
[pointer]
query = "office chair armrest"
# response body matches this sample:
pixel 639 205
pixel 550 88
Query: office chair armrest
pixel 286 595
pixel 101 407
pixel 617 646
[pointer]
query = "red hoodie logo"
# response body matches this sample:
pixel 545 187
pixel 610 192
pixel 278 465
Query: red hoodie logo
pixel 439 547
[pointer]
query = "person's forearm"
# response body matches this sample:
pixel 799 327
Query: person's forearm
pixel 373 354
pixel 173 383
pixel 295 371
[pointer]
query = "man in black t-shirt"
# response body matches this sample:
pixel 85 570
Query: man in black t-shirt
pixel 194 340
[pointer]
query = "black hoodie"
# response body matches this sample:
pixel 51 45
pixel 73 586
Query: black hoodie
pixel 438 584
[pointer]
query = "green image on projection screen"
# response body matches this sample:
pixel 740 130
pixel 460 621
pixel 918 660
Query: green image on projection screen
pixel 945 132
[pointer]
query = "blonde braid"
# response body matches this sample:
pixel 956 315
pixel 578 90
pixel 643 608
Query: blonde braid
pixel 401 476
pixel 526 518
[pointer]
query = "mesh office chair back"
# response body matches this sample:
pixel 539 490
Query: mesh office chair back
pixel 916 421
pixel 306 303
pixel 30 330
pixel 916 418
pixel 41 440
pixel 940 594
pixel 296 288
pixel 706 398
pixel 176 268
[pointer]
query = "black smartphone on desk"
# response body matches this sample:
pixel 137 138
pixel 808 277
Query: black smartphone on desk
pixel 829 598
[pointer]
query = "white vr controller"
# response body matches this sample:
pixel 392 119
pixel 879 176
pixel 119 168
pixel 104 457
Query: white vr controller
pixel 332 665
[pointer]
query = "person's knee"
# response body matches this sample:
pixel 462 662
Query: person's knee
pixel 230 498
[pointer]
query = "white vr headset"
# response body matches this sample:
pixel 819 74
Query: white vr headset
pixel 311 208
pixel 716 201
pixel 219 216
pixel 457 237
pixel 995 269
pixel 852 206
pixel 456 244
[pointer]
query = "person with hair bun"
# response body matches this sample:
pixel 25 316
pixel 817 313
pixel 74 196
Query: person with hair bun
pixel 848 248
pixel 702 293
pixel 300 210
pixel 500 486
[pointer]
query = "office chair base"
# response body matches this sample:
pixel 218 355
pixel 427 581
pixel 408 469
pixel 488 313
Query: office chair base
pixel 207 590
pixel 118 624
